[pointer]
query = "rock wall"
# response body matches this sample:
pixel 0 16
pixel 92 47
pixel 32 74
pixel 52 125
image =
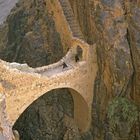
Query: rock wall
pixel 114 26
pixel 30 36
pixel 30 28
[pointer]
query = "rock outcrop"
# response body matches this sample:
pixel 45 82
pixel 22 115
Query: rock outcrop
pixel 30 28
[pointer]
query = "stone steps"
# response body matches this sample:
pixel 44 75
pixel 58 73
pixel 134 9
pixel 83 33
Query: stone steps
pixel 68 12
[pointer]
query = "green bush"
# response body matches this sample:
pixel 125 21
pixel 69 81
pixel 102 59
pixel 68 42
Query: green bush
pixel 122 110
pixel 52 1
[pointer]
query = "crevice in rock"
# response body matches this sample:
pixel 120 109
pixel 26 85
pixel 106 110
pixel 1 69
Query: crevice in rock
pixel 132 59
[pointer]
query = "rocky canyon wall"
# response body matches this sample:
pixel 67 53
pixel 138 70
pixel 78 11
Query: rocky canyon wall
pixel 30 36
pixel 114 26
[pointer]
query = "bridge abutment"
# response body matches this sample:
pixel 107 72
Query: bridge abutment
pixel 5 127
pixel 81 112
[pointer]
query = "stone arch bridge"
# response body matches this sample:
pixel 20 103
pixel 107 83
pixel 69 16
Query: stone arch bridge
pixel 21 85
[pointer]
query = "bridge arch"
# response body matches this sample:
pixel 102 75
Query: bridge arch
pixel 80 47
pixel 81 109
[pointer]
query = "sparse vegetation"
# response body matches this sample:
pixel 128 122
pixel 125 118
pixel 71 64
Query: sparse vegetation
pixel 52 1
pixel 122 110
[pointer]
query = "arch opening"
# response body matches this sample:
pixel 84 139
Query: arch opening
pixel 53 113
pixel 81 49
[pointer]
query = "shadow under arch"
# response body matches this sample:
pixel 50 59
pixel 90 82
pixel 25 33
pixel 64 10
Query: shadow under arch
pixel 79 108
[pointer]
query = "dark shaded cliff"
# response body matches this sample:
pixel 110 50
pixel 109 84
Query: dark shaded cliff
pixel 31 35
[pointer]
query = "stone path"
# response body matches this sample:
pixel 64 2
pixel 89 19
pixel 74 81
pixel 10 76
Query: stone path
pixel 74 25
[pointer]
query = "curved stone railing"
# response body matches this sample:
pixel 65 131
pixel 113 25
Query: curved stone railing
pixel 69 59
pixel 54 65
pixel 49 67
pixel 39 71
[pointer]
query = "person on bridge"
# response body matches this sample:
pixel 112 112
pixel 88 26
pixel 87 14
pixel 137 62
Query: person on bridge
pixel 68 49
pixel 64 65
pixel 76 58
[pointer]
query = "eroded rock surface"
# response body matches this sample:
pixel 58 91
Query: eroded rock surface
pixel 30 28
pixel 114 26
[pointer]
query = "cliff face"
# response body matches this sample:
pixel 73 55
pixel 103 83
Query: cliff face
pixel 114 26
pixel 30 36
pixel 30 28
